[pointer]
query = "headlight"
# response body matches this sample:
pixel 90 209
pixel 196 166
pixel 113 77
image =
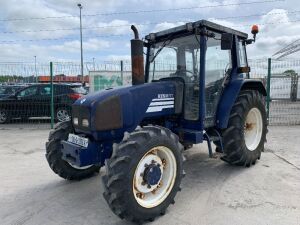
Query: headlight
pixel 75 121
pixel 85 123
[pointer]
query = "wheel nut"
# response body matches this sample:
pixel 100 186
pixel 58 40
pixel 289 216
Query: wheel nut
pixel 140 195
pixel 164 162
pixel 159 185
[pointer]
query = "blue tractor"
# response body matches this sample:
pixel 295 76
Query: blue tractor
pixel 194 87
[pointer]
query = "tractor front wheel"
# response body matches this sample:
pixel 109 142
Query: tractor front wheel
pixel 144 174
pixel 54 155
pixel 245 136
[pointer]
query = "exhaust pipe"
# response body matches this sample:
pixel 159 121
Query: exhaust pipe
pixel 137 58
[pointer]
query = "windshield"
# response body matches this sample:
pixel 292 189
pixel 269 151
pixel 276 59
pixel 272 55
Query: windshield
pixel 179 57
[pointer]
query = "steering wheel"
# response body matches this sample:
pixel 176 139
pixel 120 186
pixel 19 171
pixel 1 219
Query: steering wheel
pixel 191 77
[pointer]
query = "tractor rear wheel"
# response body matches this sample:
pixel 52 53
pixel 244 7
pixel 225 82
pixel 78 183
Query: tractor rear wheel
pixel 245 136
pixel 54 155
pixel 144 174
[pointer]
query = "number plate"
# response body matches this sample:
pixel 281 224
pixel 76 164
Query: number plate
pixel 75 139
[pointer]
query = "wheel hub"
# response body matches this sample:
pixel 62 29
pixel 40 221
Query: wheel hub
pixel 152 174
pixel 154 177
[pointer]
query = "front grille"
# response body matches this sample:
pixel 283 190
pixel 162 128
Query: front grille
pixel 109 114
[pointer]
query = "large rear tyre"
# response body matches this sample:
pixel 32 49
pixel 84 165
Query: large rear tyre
pixel 144 174
pixel 245 136
pixel 54 155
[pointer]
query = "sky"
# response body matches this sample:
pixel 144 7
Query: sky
pixel 49 29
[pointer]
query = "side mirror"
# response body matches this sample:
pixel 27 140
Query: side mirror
pixel 226 41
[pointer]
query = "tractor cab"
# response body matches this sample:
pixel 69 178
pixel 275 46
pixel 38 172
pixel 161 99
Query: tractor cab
pixel 205 56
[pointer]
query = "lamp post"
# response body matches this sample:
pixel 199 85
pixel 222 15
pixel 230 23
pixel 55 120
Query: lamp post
pixel 94 63
pixel 36 78
pixel 81 51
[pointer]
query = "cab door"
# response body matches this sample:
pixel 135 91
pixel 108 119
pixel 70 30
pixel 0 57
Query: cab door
pixel 218 67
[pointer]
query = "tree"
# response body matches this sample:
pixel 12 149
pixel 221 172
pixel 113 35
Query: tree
pixel 289 72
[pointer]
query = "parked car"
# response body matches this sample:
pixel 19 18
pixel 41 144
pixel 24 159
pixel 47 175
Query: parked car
pixel 7 90
pixel 35 101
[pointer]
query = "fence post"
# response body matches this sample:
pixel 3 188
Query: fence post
pixel 268 87
pixel 294 87
pixel 122 70
pixel 52 96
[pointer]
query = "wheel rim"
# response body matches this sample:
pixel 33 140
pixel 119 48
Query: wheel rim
pixel 3 117
pixel 78 167
pixel 154 177
pixel 253 129
pixel 63 115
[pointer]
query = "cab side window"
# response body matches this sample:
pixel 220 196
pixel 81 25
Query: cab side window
pixel 218 61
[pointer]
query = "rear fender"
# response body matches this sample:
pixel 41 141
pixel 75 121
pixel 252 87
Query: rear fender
pixel 230 95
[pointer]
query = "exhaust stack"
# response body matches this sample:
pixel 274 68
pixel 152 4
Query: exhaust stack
pixel 137 58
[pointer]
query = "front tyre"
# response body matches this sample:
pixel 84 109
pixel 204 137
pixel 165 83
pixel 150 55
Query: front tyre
pixel 245 136
pixel 54 155
pixel 144 174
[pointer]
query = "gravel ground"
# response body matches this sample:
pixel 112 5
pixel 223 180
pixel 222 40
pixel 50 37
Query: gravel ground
pixel 213 192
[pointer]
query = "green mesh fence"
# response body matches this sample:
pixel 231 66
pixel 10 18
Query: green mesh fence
pixel 284 88
pixel 25 89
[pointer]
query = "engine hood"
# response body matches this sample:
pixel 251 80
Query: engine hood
pixel 123 108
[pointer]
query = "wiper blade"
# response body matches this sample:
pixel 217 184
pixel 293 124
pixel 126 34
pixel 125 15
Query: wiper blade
pixel 166 42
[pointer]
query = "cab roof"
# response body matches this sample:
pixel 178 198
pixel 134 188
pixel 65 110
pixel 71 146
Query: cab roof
pixel 198 24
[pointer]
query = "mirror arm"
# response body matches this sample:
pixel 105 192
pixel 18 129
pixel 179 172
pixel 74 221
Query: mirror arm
pixel 251 41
